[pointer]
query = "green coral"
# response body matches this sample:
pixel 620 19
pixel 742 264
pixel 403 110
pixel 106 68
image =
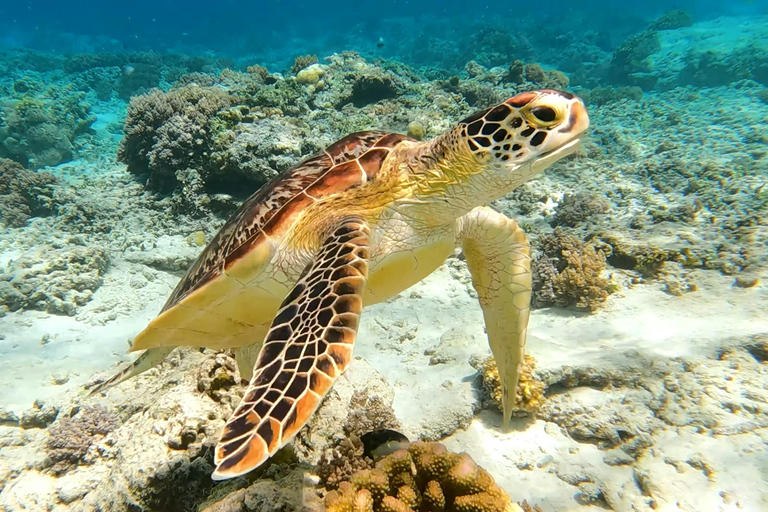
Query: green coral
pixel 426 477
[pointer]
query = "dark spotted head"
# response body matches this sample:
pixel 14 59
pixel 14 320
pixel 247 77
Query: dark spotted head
pixel 526 133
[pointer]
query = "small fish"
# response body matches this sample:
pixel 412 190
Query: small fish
pixel 380 43
pixel 380 443
pixel 128 70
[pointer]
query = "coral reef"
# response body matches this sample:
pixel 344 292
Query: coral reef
pixel 672 20
pixel 530 389
pixel 40 124
pixel 72 436
pixel 602 95
pixel 54 280
pixel 367 412
pixel 579 207
pixel 23 193
pixel 167 132
pixel 629 63
pixel 568 272
pixel 425 477
pixel 340 463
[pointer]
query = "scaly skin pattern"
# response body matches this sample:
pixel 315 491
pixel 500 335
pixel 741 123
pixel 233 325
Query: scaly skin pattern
pixel 280 267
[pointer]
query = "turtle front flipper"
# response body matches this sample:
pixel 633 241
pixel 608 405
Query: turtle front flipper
pixel 499 259
pixel 307 347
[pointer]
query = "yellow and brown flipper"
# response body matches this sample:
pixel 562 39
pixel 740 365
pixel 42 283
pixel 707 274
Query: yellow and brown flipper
pixel 499 259
pixel 307 347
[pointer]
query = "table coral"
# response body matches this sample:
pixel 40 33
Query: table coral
pixel 426 477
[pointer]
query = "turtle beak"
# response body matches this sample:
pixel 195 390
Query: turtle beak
pixel 576 126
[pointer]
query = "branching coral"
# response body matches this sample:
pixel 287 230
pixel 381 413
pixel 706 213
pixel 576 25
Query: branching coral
pixel 529 392
pixel 23 193
pixel 302 61
pixel 568 272
pixel 576 208
pixel 166 132
pixel 72 436
pixel 425 477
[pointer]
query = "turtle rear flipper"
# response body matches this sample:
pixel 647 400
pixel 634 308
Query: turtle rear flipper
pixel 307 347
pixel 149 359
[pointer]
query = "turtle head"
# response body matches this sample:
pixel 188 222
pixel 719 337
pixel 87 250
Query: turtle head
pixel 525 134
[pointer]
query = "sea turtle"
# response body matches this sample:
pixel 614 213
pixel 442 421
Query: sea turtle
pixel 285 280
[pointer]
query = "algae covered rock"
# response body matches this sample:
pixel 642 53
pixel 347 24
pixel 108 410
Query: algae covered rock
pixel 71 436
pixel 53 280
pixel 425 477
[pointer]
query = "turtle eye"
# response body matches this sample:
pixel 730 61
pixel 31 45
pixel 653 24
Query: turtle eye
pixel 544 114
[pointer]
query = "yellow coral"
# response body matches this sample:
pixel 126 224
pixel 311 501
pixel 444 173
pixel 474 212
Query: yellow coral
pixel 416 130
pixel 310 75
pixel 439 480
pixel 196 239
pixel 530 390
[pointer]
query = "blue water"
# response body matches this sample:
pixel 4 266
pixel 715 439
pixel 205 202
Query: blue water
pixel 274 31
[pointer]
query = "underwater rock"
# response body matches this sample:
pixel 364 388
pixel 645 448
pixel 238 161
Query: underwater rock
pixel 54 280
pixel 281 492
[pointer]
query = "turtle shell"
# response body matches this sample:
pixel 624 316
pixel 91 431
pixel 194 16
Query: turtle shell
pixel 197 312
